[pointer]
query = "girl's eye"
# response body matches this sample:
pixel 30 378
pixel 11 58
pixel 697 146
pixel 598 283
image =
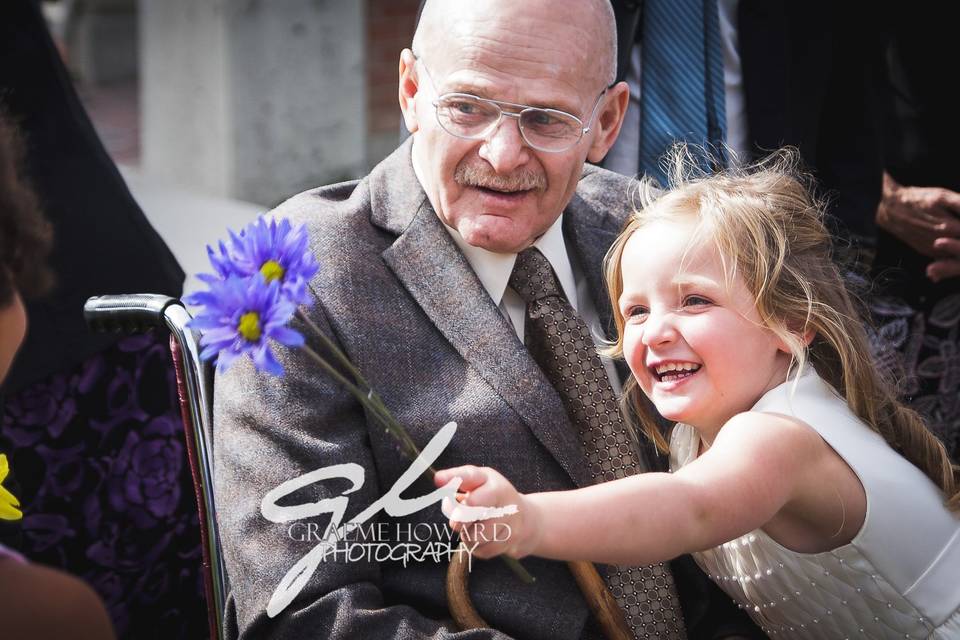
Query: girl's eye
pixel 637 313
pixel 695 301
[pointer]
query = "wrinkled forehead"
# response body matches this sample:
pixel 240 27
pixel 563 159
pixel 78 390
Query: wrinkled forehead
pixel 515 51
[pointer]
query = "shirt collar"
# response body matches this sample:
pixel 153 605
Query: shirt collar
pixel 494 269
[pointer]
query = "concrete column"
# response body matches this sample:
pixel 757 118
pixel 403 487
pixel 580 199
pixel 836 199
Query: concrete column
pixel 252 99
pixel 101 36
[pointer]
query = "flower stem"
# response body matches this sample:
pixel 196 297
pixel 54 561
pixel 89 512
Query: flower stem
pixel 331 346
pixel 362 391
pixel 372 401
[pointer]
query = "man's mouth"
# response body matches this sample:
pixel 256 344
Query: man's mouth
pixel 502 192
pixel 502 197
pixel 674 371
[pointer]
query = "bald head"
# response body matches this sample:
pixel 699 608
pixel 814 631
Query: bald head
pixel 513 26
pixel 497 188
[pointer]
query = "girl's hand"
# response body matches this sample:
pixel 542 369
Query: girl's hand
pixel 492 517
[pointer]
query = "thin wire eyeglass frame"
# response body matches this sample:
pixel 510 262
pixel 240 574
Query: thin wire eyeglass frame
pixel 499 104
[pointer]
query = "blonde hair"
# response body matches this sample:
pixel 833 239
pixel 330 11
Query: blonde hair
pixel 770 232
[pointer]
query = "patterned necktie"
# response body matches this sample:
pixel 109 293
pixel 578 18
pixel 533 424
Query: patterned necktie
pixel 681 80
pixel 561 344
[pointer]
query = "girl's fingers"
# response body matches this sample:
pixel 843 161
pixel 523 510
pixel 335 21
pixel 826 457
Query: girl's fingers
pixel 471 475
pixel 481 546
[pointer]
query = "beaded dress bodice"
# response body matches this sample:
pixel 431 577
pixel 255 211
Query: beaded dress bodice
pixel 898 578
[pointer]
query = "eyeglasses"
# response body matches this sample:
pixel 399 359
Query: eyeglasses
pixel 471 117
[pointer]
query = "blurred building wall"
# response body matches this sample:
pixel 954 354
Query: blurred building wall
pixel 253 99
pixel 390 26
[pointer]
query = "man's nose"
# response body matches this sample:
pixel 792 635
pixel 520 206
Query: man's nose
pixel 659 328
pixel 504 147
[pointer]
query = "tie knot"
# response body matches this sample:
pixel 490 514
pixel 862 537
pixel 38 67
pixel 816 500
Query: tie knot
pixel 533 277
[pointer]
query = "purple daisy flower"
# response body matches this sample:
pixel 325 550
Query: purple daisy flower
pixel 273 249
pixel 239 315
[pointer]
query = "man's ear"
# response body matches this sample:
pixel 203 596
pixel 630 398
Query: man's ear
pixel 606 126
pixel 409 85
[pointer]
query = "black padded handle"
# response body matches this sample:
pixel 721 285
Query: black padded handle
pixel 129 313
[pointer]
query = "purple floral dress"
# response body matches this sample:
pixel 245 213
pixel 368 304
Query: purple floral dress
pixel 920 346
pixel 105 487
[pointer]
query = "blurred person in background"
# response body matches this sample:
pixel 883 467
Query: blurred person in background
pixel 918 256
pixel 758 75
pixel 36 602
pixel 91 425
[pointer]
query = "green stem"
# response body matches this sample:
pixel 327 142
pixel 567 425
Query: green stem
pixel 370 400
pixel 377 409
pixel 332 347
pixel 373 402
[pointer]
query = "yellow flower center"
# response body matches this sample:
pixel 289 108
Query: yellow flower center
pixel 249 326
pixel 271 270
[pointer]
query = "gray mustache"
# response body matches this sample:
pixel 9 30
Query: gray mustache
pixel 520 180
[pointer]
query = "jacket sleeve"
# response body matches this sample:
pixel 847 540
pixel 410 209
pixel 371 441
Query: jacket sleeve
pixel 270 430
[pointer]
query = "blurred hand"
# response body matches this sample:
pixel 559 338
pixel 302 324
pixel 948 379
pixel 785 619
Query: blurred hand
pixel 491 513
pixel 947 267
pixel 919 216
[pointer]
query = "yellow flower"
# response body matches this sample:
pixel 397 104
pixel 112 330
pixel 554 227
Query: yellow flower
pixel 8 501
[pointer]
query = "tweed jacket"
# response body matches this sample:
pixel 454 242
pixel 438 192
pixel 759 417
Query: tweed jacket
pixel 401 300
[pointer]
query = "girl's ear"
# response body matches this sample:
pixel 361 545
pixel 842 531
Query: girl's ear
pixel 807 338
pixel 783 346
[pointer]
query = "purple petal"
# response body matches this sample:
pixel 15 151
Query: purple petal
pixel 225 359
pixel 287 336
pixel 263 360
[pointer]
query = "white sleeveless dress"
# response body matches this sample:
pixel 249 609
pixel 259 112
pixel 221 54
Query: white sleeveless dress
pixel 898 578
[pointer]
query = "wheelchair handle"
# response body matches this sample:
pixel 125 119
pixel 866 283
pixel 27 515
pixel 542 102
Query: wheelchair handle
pixel 129 313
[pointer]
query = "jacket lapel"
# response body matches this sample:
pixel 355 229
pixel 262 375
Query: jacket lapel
pixel 589 240
pixel 589 235
pixel 432 269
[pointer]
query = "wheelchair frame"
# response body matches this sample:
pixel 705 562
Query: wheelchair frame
pixel 140 313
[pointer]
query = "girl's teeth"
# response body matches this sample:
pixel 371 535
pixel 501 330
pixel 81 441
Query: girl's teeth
pixel 674 370
pixel 669 377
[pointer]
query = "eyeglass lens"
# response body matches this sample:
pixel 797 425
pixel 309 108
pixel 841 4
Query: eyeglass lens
pixel 471 117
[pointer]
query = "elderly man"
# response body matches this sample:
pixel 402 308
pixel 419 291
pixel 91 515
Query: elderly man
pixel 482 233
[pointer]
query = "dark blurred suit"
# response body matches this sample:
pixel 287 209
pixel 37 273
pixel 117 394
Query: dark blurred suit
pixel 91 423
pixel 102 242
pixel 809 71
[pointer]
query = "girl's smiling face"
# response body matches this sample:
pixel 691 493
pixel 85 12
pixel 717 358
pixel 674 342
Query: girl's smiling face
pixel 694 341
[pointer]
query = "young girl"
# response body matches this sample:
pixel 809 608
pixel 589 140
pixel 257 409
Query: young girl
pixel 801 486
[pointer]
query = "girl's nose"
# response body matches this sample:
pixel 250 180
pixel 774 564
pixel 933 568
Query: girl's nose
pixel 659 328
